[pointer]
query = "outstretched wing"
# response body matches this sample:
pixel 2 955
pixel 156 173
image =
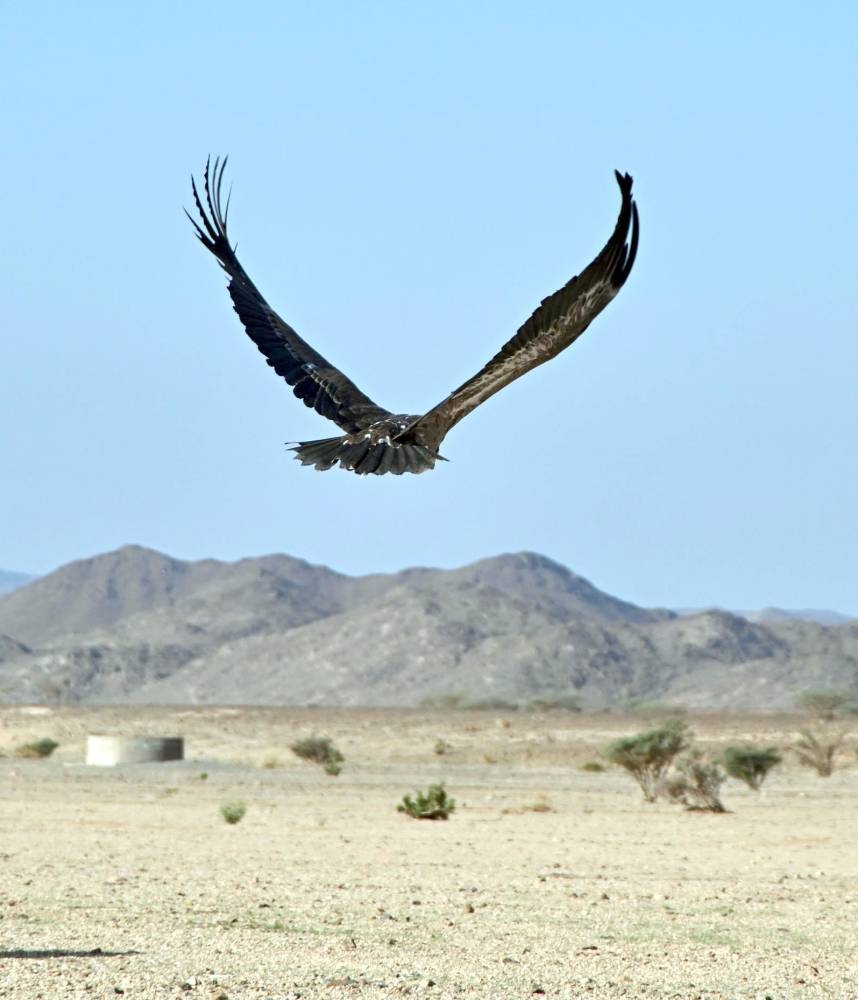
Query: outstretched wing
pixel 559 320
pixel 313 379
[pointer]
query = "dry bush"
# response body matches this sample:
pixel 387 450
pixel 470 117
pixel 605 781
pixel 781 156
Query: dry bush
pixel 818 748
pixel 696 784
pixel 320 750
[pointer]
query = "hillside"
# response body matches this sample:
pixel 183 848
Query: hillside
pixel 137 625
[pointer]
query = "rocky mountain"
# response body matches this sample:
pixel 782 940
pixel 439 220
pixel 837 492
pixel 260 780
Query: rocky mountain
pixel 135 625
pixel 10 580
pixel 820 615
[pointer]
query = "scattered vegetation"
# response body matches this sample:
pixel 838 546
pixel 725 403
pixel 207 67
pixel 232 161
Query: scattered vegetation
pixel 817 749
pixel 648 756
pixel 750 764
pixel 434 803
pixel 656 709
pixel 555 703
pixel 233 812
pixel 459 701
pixel 320 750
pixel 445 700
pixel 37 748
pixel 272 762
pixel 824 705
pixel 593 766
pixel 441 747
pixel 490 704
pixel 697 783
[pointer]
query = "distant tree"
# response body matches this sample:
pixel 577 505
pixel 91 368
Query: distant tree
pixel 817 749
pixel 824 705
pixel 648 756
pixel 750 764
pixel 697 783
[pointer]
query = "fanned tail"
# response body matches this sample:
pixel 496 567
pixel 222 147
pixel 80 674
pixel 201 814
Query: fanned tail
pixel 365 457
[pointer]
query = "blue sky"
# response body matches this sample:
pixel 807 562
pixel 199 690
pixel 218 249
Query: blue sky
pixel 409 180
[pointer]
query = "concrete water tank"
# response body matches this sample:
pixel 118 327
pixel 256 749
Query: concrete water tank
pixel 107 751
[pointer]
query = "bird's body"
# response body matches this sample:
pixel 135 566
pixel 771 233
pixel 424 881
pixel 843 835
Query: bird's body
pixel 376 440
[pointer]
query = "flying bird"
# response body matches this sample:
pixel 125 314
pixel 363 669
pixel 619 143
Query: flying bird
pixel 375 440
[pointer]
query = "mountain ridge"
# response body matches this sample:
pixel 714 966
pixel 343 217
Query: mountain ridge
pixel 136 625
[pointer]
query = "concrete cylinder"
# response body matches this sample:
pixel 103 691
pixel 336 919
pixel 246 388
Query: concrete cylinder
pixel 107 751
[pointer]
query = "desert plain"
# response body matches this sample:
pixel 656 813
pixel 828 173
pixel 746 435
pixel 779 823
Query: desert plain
pixel 547 880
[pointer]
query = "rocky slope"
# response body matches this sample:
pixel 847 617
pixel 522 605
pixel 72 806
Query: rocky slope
pixel 136 625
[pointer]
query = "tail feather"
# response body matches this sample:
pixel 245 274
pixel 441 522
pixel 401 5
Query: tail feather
pixel 365 458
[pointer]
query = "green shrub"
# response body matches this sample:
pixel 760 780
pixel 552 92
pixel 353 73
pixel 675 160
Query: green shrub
pixel 697 783
pixel 37 748
pixel 233 812
pixel 750 764
pixel 434 803
pixel 647 756
pixel 818 750
pixel 320 750
pixel 441 747
pixel 592 766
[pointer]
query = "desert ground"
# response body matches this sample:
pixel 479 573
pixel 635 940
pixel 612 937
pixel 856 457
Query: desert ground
pixel 547 880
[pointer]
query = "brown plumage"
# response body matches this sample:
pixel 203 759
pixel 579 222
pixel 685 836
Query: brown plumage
pixel 376 440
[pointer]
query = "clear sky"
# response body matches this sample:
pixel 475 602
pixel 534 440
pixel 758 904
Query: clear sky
pixel 409 180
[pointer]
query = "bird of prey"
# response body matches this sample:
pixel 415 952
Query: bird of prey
pixel 375 440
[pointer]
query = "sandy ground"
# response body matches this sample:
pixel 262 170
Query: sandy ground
pixel 127 882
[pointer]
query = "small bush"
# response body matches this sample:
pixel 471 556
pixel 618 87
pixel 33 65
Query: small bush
pixel 320 750
pixel 434 803
pixel 750 764
pixel 555 703
pixel 697 783
pixel 233 812
pixel 823 705
pixel 648 756
pixel 592 766
pixel 818 750
pixel 37 748
pixel 441 747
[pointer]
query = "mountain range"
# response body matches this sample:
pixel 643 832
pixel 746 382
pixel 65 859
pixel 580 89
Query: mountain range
pixel 138 626
pixel 10 581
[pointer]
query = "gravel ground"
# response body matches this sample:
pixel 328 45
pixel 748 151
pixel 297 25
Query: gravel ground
pixel 547 881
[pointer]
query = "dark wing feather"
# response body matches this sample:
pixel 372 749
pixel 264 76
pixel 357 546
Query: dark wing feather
pixel 313 379
pixel 559 320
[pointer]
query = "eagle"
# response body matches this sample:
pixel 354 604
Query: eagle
pixel 377 441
